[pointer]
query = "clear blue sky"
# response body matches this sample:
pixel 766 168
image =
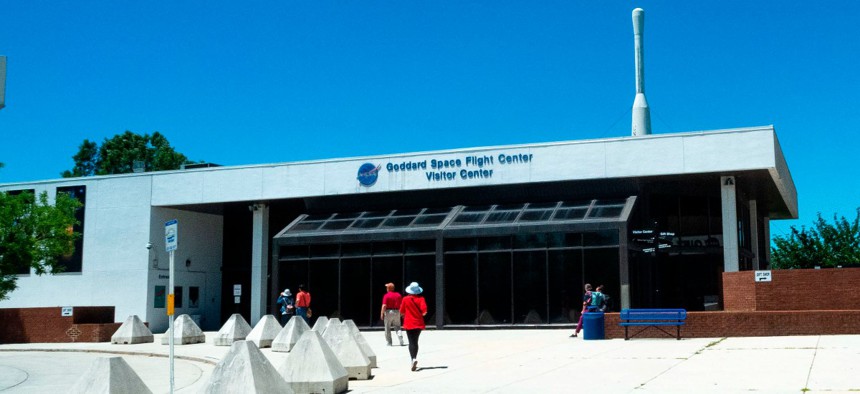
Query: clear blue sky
pixel 289 80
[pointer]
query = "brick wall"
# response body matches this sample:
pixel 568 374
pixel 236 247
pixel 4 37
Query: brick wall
pixel 749 324
pixel 794 302
pixel 87 324
pixel 793 290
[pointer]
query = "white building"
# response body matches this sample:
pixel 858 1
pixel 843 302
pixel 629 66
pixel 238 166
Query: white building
pixel 511 232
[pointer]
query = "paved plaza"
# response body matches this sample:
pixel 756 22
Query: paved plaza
pixel 497 361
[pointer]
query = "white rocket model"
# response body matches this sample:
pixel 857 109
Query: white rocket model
pixel 641 114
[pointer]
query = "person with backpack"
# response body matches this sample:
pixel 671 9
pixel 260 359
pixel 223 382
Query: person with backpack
pixel 598 300
pixel 586 302
pixel 287 304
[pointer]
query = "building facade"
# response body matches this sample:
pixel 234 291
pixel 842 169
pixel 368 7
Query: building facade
pixel 495 235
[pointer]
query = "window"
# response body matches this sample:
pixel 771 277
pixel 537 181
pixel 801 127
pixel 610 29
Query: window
pixel 22 268
pixel 74 261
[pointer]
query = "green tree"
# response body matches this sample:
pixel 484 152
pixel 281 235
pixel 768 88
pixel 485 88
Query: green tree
pixel 117 155
pixel 34 233
pixel 824 245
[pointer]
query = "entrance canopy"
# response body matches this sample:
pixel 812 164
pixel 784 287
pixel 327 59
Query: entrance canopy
pixel 458 220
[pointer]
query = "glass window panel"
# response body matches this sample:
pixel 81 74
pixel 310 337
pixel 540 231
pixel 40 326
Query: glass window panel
pixel 565 285
pixel 600 238
pixel 406 212
pixel 429 220
pixel 469 218
pixel 461 288
pixel 477 208
pixel 317 217
pixel 351 215
pixel 461 244
pixel 433 211
pixel 290 275
pixel 530 287
pixel 375 214
pixel 535 216
pixel 356 288
pixel 494 288
pixel 502 217
pixel 421 246
pixel 387 248
pixel 330 250
pixel 575 204
pixel 356 249
pixel 294 252
pixel 306 226
pixel 529 241
pixel 336 224
pixel 570 213
pixel 495 243
pixel 510 207
pixel 606 212
pixel 367 223
pixel 385 270
pixel 601 268
pixel 555 240
pixel 398 221
pixel 74 261
pixel 543 205
pixel 422 269
pixel 323 285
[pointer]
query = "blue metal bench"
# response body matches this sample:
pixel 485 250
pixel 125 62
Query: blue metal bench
pixel 656 318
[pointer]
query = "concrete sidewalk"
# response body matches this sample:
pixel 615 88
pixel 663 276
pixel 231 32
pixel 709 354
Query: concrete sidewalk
pixel 498 361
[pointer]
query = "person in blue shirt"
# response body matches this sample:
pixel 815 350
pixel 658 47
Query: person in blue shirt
pixel 288 306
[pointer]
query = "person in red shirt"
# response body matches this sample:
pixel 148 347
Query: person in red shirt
pixel 390 313
pixel 413 308
pixel 303 303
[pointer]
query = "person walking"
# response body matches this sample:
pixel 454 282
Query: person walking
pixel 303 303
pixel 586 302
pixel 413 308
pixel 288 306
pixel 390 313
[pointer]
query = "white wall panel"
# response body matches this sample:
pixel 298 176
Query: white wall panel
pixel 644 156
pixel 727 152
pixel 177 188
pixel 243 184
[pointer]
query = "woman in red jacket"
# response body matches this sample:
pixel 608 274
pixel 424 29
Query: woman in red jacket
pixel 413 308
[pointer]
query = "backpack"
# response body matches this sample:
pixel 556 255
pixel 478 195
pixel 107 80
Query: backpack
pixel 598 300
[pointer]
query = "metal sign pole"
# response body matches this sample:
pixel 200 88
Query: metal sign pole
pixel 171 232
pixel 170 317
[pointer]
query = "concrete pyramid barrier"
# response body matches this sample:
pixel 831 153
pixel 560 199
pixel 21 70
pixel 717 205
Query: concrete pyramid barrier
pixel 290 334
pixel 320 325
pixel 265 331
pixel 185 332
pixel 109 375
pixel 312 367
pixel 245 370
pixel 344 345
pixel 362 342
pixel 132 331
pixel 235 329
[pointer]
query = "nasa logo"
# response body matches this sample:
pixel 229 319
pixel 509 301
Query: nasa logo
pixel 367 174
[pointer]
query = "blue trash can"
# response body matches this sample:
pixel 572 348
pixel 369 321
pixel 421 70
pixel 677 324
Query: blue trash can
pixel 592 325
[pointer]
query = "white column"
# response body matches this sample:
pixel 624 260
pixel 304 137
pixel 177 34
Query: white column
pixel 730 224
pixel 259 262
pixel 766 225
pixel 754 234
